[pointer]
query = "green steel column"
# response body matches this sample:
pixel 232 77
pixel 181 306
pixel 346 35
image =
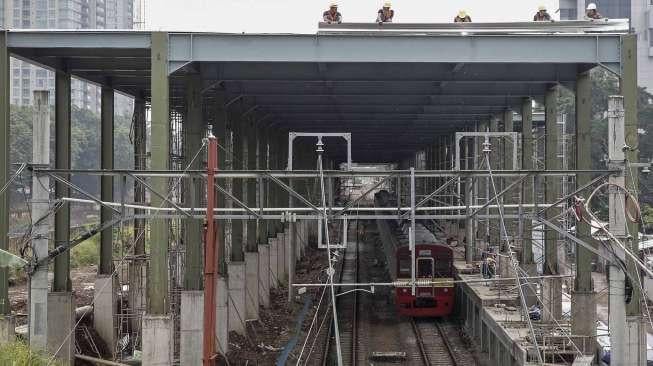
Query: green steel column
pixel 220 132
pixel 527 186
pixel 252 242
pixel 5 308
pixel 237 231
pixel 628 88
pixel 106 182
pixel 552 189
pixel 583 162
pixel 62 161
pixel 193 132
pixel 157 289
pixel 262 165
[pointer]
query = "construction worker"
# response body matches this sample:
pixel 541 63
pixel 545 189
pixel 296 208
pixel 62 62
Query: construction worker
pixel 332 15
pixel 462 17
pixel 592 13
pixel 385 14
pixel 542 15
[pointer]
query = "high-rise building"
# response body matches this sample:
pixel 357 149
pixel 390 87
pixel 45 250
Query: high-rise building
pixel 61 14
pixel 640 13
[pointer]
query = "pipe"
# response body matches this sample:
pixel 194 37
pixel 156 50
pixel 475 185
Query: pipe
pixel 210 256
pixel 98 360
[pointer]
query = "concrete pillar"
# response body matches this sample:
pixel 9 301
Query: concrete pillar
pixel 494 224
pixel 193 131
pixel 291 258
pixel 7 329
pixel 583 304
pixel 38 308
pixel 252 284
pixel 106 181
pixel 274 259
pixel 61 317
pixel 527 261
pixel 507 236
pixel 158 345
pixel 551 298
pixel 191 328
pixel 157 325
pixel 264 275
pixel 221 133
pixel 62 161
pixel 281 258
pixel 251 164
pixel 105 307
pixel 551 194
pixel 222 314
pixel 237 297
pixel 5 166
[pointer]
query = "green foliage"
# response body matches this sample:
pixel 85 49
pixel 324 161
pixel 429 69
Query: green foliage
pixel 19 354
pixel 86 253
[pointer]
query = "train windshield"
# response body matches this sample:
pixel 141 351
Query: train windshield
pixel 425 267
pixel 404 267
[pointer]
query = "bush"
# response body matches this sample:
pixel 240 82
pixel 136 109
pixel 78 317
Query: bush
pixel 86 253
pixel 19 354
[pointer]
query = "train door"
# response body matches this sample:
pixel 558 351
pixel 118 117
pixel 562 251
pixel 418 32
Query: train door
pixel 425 270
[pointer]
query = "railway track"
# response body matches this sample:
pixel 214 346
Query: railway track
pixel 440 343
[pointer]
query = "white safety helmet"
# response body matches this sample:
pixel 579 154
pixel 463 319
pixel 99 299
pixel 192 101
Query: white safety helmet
pixel 387 4
pixel 333 4
pixel 591 6
pixel 541 8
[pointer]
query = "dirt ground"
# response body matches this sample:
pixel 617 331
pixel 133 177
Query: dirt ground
pixel 267 337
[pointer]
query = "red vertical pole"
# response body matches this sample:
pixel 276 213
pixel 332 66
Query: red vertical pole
pixel 211 255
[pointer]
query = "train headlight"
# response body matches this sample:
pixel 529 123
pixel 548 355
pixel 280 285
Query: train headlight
pixel 446 289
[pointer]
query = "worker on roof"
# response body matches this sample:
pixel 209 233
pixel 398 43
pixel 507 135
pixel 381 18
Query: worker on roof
pixel 462 17
pixel 592 13
pixel 332 15
pixel 385 14
pixel 542 15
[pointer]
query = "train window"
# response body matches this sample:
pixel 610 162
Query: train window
pixel 424 267
pixel 443 267
pixel 404 268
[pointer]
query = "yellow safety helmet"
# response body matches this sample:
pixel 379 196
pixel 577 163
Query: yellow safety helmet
pixel 541 8
pixel 333 4
pixel 462 14
pixel 387 4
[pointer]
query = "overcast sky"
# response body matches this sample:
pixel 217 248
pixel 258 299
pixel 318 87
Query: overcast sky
pixel 301 16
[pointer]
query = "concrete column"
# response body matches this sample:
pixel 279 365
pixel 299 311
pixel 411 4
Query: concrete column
pixel 252 284
pixel 552 298
pixel 106 181
pixel 193 131
pixel 157 325
pixel 7 329
pixel 158 345
pixel 264 275
pixel 61 317
pixel 222 315
pixel 62 161
pixel 291 258
pixel 494 225
pixel 505 267
pixel 583 304
pixel 281 258
pixel 252 224
pixel 237 297
pixel 262 184
pixel 526 261
pixel 191 327
pixel 5 308
pixel 38 309
pixel 274 259
pixel 105 307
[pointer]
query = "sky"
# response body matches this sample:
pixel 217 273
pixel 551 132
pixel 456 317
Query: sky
pixel 302 16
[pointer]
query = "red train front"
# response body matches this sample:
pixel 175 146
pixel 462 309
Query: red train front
pixel 433 263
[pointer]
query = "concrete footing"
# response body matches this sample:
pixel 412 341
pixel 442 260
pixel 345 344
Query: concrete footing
pixel 274 267
pixel 551 299
pixel 158 343
pixel 505 266
pixel 191 328
pixel 222 314
pixel 237 297
pixel 583 319
pixel 105 309
pixel 7 329
pixel 264 275
pixel 251 285
pixel 61 320
pixel 635 341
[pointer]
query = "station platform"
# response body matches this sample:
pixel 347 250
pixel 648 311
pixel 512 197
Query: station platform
pixel 492 318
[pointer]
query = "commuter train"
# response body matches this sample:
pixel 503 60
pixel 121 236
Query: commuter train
pixel 433 263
